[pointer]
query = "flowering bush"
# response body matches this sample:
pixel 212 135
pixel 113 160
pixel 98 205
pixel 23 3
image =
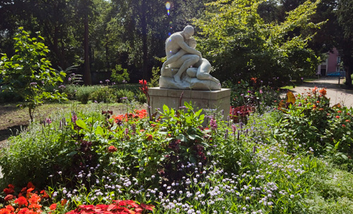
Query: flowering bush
pixel 118 206
pixel 252 93
pixel 139 114
pixel 240 113
pixel 311 123
pixel 93 162
pixel 27 201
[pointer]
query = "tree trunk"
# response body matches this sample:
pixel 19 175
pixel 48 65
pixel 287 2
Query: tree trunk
pixel 87 71
pixel 348 76
pixel 144 40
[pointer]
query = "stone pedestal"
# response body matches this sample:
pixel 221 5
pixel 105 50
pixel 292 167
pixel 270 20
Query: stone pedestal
pixel 205 99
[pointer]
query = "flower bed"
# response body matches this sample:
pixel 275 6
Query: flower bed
pixel 96 162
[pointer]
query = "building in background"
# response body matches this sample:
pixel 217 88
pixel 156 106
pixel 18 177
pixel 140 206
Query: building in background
pixel 332 65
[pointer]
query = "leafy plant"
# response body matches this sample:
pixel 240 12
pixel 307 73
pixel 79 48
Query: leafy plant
pixel 120 75
pixel 28 72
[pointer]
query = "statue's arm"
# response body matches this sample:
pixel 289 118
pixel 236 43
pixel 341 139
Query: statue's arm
pixel 187 48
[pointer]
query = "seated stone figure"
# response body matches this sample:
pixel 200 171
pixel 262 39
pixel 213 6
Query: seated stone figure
pixel 182 56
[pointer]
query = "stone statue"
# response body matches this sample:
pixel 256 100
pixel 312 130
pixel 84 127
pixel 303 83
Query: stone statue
pixel 185 68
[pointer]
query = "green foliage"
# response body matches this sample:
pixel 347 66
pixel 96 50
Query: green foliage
pixel 240 45
pixel 311 124
pixel 252 93
pixel 120 75
pixel 204 163
pixel 103 94
pixel 28 72
pixel 83 93
pixel 154 82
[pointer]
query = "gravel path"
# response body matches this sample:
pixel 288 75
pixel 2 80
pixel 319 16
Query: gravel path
pixel 335 91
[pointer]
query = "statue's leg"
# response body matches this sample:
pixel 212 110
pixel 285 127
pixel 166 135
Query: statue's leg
pixel 191 72
pixel 190 60
pixel 203 71
pixel 173 58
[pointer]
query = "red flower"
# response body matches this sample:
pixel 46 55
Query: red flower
pixel 143 87
pixel 11 186
pixel 30 185
pixel 339 111
pixel 254 79
pixel 322 92
pixel 348 121
pixel 112 149
pixel 9 207
pixel 30 190
pixel 35 206
pixel 63 202
pixel 53 207
pixel 147 207
pixel 35 199
pixel 8 197
pixel 45 195
pixel 337 116
pixel 23 190
pixel 149 137
pixel 8 191
pixel 343 125
pixel 21 201
pixel 25 211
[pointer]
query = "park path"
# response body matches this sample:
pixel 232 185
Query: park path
pixel 335 91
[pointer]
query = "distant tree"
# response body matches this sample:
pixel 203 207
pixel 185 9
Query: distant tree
pixel 344 38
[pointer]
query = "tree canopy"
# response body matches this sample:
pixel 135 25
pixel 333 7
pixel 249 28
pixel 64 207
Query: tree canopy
pixel 242 45
pixel 242 39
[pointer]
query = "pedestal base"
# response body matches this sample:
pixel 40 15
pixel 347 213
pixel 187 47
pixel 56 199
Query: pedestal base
pixel 205 99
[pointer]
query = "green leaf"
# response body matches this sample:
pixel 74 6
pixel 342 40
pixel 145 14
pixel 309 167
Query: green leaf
pixel 81 124
pixel 198 113
pixel 71 154
pixel 165 109
pixel 99 131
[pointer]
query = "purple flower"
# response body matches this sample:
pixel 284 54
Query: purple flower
pixel 48 120
pixel 100 82
pixel 213 124
pixel 33 83
pixel 74 118
pixel 261 91
pixel 234 128
pixel 69 79
pixel 107 80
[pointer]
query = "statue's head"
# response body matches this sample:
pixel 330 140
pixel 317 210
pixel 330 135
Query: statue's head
pixel 192 42
pixel 188 31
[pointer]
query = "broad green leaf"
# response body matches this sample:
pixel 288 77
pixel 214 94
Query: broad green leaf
pixel 99 131
pixel 81 124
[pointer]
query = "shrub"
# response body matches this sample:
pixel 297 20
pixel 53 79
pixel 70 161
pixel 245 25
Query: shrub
pixel 309 123
pixel 122 94
pixel 83 93
pixel 103 94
